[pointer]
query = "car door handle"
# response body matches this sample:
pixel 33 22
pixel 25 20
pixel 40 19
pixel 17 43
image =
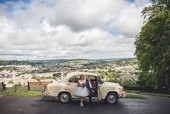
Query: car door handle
pixel 68 84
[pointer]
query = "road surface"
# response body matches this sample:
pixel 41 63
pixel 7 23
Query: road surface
pixel 37 105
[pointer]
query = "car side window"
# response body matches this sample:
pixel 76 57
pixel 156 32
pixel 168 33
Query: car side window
pixel 77 78
pixel 74 79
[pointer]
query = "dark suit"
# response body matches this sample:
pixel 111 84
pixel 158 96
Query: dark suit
pixel 3 86
pixel 90 89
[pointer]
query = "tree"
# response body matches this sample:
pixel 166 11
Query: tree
pixel 153 45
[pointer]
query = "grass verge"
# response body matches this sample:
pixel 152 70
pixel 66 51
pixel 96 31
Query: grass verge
pixel 22 93
pixel 135 96
pixel 40 93
pixel 158 95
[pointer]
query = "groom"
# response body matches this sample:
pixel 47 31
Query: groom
pixel 89 87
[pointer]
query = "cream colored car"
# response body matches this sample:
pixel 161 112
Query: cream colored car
pixel 65 89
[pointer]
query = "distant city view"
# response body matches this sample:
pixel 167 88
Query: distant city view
pixel 21 72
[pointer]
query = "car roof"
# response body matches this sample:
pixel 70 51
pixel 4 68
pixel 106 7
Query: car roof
pixel 69 75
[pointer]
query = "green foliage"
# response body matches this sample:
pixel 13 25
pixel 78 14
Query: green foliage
pixel 56 75
pixel 11 82
pixel 38 78
pixel 108 75
pixel 128 82
pixel 22 93
pixel 153 45
pixel 14 62
pixel 134 96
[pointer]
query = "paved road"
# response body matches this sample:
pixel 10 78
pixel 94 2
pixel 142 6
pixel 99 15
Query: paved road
pixel 36 105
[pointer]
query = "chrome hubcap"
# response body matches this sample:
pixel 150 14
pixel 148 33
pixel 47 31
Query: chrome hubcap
pixel 111 99
pixel 64 97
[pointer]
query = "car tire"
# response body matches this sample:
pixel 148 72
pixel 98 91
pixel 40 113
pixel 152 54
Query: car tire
pixel 64 97
pixel 111 98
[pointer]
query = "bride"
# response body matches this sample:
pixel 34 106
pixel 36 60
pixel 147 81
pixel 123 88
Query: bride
pixel 82 90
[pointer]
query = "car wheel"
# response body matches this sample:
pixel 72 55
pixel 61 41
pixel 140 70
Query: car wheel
pixel 112 98
pixel 64 97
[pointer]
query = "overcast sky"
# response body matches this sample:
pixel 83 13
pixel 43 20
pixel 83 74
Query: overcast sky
pixel 62 29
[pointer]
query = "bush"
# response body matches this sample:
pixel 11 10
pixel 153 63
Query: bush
pixel 130 84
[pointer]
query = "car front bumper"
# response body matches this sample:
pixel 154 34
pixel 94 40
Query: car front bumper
pixel 122 94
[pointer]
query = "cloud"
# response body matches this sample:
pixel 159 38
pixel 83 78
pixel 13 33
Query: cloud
pixel 128 22
pixel 69 29
pixel 84 14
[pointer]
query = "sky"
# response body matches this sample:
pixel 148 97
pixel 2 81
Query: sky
pixel 69 29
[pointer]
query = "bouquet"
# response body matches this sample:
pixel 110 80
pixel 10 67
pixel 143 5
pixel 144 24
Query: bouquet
pixel 83 85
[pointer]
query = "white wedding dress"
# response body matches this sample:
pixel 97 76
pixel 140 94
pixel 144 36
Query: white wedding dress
pixel 82 91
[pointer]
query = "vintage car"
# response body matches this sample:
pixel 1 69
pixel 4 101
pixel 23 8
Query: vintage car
pixel 65 89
